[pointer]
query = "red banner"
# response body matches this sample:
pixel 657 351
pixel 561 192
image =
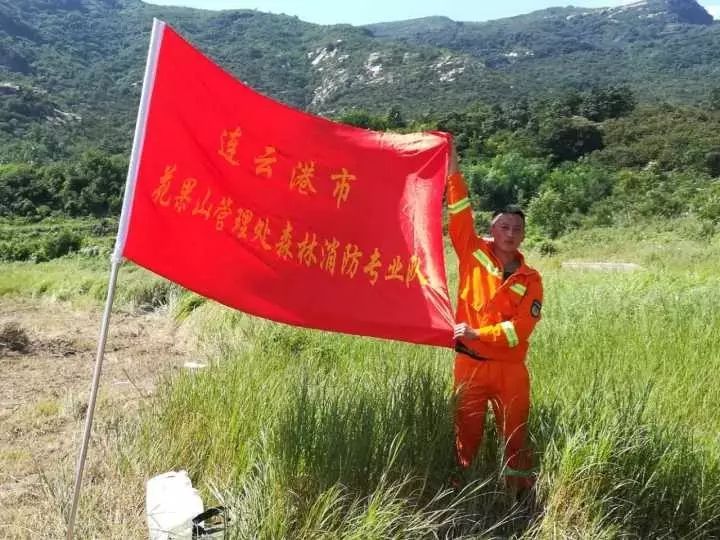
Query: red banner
pixel 286 215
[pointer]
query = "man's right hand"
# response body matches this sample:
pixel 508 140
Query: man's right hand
pixel 463 330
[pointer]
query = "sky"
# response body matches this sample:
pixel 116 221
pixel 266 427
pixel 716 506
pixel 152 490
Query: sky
pixel 358 12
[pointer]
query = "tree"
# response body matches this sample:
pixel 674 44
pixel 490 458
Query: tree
pixel 568 139
pixel 363 119
pixel 567 105
pixel 506 179
pixel 93 184
pixel 394 119
pixel 518 115
pixel 604 103
pixel 568 195
pixel 22 190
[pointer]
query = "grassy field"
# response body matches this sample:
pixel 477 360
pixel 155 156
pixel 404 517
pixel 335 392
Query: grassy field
pixel 305 434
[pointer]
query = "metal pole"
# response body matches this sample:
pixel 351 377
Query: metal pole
pixel 93 395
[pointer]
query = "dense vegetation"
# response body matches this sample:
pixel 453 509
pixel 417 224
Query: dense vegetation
pixel 591 158
pixel 71 70
pixel 527 129
pixel 587 159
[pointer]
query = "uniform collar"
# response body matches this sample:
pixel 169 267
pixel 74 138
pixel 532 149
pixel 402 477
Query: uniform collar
pixel 523 268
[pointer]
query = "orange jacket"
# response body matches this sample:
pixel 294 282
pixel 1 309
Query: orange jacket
pixel 504 314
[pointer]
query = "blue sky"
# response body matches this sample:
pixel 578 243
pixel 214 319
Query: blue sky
pixel 369 11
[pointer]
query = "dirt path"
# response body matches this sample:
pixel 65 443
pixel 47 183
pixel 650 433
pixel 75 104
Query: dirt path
pixel 44 391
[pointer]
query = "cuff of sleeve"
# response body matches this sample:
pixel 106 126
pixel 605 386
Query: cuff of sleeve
pixel 488 333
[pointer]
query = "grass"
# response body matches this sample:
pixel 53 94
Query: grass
pixel 624 418
pixel 83 280
pixel 306 434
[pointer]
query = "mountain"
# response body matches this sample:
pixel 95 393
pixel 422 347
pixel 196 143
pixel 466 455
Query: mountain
pixel 79 63
pixel 662 49
pixel 71 70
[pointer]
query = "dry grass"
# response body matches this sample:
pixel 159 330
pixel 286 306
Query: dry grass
pixel 13 338
pixel 43 402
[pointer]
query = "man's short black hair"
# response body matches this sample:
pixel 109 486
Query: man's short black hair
pixel 510 209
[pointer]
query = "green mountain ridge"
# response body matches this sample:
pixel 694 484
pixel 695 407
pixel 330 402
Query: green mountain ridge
pixel 79 63
pixel 87 58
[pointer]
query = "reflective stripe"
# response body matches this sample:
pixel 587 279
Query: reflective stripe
pixel 487 263
pixel 509 329
pixel 519 288
pixel 509 471
pixel 459 206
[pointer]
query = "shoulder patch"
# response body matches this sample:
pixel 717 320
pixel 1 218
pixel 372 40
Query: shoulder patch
pixel 536 308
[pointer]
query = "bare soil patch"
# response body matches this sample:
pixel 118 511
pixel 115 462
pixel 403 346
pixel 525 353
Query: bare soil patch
pixel 44 389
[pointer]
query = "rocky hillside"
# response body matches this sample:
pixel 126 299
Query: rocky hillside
pixel 663 49
pixel 74 67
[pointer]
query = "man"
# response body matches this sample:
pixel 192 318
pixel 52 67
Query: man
pixel 499 304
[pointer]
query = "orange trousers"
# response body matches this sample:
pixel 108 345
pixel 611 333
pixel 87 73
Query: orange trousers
pixel 507 386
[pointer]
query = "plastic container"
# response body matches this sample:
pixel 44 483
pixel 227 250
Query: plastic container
pixel 171 503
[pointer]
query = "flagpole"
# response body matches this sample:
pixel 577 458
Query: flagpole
pixel 116 260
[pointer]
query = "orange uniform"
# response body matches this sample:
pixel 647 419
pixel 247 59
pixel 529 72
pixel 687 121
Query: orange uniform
pixel 503 312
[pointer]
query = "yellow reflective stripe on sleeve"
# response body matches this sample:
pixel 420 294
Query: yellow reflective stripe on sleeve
pixel 519 288
pixel 487 263
pixel 459 206
pixel 510 333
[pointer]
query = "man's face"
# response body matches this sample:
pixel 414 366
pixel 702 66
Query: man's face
pixel 508 232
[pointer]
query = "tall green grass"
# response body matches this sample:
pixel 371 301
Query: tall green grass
pixel 295 429
pixel 307 434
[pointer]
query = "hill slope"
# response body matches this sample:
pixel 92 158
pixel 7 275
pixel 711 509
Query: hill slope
pixel 70 70
pixel 663 49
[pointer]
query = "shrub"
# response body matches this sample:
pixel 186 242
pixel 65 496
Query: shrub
pixel 568 139
pixel 57 246
pixel 13 338
pixel 547 248
pixel 707 203
pixel 14 250
pixel 567 196
pixel 506 179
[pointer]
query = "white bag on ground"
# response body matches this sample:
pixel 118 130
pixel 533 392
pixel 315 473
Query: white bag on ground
pixel 171 503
